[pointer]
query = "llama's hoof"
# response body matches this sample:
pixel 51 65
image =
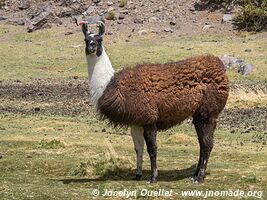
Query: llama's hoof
pixel 137 177
pixel 152 180
pixel 197 179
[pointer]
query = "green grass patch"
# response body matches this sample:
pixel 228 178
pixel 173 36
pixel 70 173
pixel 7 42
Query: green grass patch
pixel 96 160
pixel 51 54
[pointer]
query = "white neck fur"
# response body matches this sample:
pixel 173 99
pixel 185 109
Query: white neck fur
pixel 100 72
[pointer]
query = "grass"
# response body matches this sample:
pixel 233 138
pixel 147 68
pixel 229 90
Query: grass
pixel 54 157
pixel 51 54
pixel 85 161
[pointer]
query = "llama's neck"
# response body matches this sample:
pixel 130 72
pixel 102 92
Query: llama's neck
pixel 100 72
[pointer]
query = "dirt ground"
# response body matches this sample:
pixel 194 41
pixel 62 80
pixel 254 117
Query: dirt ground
pixel 71 98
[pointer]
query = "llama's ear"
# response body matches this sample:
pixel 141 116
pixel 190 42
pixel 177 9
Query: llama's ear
pixel 101 26
pixel 84 27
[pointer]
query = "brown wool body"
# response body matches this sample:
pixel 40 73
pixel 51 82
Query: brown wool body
pixel 166 94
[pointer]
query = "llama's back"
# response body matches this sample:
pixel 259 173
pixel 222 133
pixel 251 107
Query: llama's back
pixel 165 94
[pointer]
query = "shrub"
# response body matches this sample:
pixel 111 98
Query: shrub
pixel 79 170
pixel 111 15
pixel 122 3
pixel 252 18
pixel 2 3
pixel 52 144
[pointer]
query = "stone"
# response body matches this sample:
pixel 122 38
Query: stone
pixel 209 26
pixel 109 3
pixel 24 4
pixel 66 12
pixel 90 9
pixel 121 16
pixel 110 9
pixel 248 50
pixel 192 9
pixel 230 61
pixel 227 18
pixel 18 21
pixel 168 30
pixel 68 33
pixel 43 19
pixel 124 11
pixel 142 32
pixel 245 69
pixel 152 19
pixel 138 21
pixel 96 1
pixel 3 18
pixel 172 23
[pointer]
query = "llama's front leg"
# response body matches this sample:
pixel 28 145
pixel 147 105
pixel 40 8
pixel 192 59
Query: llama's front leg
pixel 205 129
pixel 150 135
pixel 138 139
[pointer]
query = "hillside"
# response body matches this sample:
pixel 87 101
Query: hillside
pixel 140 17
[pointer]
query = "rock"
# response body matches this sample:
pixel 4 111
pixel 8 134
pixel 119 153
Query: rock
pixel 24 4
pixel 109 3
pixel 138 21
pixel 172 23
pixel 18 21
pixel 192 9
pixel 121 16
pixel 110 9
pixel 142 32
pixel 245 69
pixel 207 26
pixel 153 19
pixel 125 11
pixel 43 19
pixel 68 33
pixel 227 18
pixel 96 1
pixel 248 50
pixel 3 18
pixel 230 61
pixel 37 109
pixel 89 10
pixel 168 30
pixel 66 12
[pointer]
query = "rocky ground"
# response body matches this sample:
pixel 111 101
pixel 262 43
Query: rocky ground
pixel 130 16
pixel 71 98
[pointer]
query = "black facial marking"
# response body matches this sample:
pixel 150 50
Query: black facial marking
pixel 93 44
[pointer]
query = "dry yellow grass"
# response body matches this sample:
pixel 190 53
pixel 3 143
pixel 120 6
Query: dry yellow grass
pixel 246 98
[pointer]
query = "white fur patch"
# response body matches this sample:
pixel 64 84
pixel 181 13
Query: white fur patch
pixel 100 72
pixel 137 133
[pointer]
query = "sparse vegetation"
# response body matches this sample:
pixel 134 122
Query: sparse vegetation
pixel 79 170
pixel 252 17
pixel 122 3
pixel 60 151
pixel 50 144
pixel 111 15
pixel 2 3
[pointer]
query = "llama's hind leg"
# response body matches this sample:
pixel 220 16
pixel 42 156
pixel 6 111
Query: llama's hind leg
pixel 138 139
pixel 205 128
pixel 150 135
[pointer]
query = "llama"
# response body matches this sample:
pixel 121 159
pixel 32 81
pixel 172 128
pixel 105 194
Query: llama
pixel 154 97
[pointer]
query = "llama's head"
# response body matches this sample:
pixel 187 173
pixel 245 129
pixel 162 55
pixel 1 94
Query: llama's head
pixel 93 41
